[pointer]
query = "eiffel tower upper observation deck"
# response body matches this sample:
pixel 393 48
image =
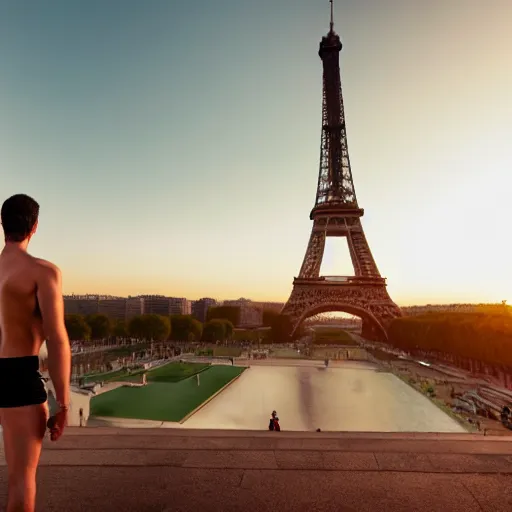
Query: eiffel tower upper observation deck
pixel 337 214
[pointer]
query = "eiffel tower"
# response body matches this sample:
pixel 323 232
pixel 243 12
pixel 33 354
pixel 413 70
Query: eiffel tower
pixel 337 214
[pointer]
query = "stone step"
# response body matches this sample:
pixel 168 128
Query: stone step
pixel 232 433
pixel 316 460
pixel 149 439
pixel 180 448
pixel 181 469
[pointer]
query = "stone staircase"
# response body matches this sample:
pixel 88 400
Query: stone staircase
pixel 108 469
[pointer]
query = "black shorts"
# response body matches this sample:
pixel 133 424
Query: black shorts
pixel 21 383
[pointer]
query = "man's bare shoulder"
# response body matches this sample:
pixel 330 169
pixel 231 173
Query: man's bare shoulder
pixel 47 268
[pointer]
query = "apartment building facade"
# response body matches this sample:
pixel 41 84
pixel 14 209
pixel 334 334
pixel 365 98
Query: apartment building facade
pixel 118 308
pixel 156 305
pixel 250 315
pixel 179 306
pixel 81 304
pixel 200 308
pixel 113 308
pixel 269 306
pixel 134 307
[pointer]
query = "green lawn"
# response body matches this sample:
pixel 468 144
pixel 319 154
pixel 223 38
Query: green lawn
pixel 227 351
pixel 105 377
pixel 285 353
pixel 171 372
pixel 174 372
pixel 163 401
pixel 332 336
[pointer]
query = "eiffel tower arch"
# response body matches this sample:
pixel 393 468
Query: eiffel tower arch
pixel 367 300
pixel 336 213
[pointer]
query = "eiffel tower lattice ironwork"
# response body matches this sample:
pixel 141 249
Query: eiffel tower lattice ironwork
pixel 337 214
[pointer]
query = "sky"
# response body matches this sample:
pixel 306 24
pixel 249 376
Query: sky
pixel 174 146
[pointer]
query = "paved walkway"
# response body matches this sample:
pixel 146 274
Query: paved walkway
pixel 345 397
pixel 190 470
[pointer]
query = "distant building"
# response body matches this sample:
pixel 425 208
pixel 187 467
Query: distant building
pixel 134 307
pixel 250 315
pixel 120 308
pixel 81 304
pixel 113 308
pixel 126 308
pixel 179 306
pixel 200 308
pixel 269 306
pixel 156 305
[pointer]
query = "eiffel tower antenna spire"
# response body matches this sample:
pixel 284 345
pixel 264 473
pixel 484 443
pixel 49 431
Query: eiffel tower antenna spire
pixel 332 16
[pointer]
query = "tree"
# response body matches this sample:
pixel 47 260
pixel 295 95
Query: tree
pixel 120 329
pixel 478 336
pixel 76 326
pixel 269 317
pixel 228 328
pixel 281 328
pixel 136 327
pixel 245 335
pixel 157 327
pixel 231 313
pixel 100 326
pixel 214 330
pixel 150 327
pixel 185 328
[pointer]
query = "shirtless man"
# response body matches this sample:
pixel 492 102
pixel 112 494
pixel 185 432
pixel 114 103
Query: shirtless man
pixel 31 310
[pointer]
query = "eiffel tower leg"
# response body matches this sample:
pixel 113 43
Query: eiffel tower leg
pixel 314 254
pixel 362 258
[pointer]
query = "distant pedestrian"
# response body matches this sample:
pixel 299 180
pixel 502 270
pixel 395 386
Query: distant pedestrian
pixel 271 425
pixel 274 422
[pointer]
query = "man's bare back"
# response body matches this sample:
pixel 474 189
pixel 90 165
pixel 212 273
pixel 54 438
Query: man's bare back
pixel 21 324
pixel 31 310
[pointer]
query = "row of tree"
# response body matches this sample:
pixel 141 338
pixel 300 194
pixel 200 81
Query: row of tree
pixel 219 326
pixel 148 327
pixel 480 336
pixel 231 313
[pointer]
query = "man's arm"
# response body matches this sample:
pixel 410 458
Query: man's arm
pixel 51 303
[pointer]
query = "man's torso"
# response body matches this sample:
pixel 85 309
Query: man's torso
pixel 21 332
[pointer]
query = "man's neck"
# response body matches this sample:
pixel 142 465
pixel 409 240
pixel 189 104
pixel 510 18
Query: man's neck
pixel 16 246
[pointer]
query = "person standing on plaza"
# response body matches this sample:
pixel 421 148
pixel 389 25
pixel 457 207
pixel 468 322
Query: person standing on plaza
pixel 31 310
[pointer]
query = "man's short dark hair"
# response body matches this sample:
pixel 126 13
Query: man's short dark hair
pixel 19 216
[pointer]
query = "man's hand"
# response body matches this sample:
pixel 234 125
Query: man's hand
pixel 57 423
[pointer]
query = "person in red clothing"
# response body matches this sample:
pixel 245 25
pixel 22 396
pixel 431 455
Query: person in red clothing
pixel 271 423
pixel 274 422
